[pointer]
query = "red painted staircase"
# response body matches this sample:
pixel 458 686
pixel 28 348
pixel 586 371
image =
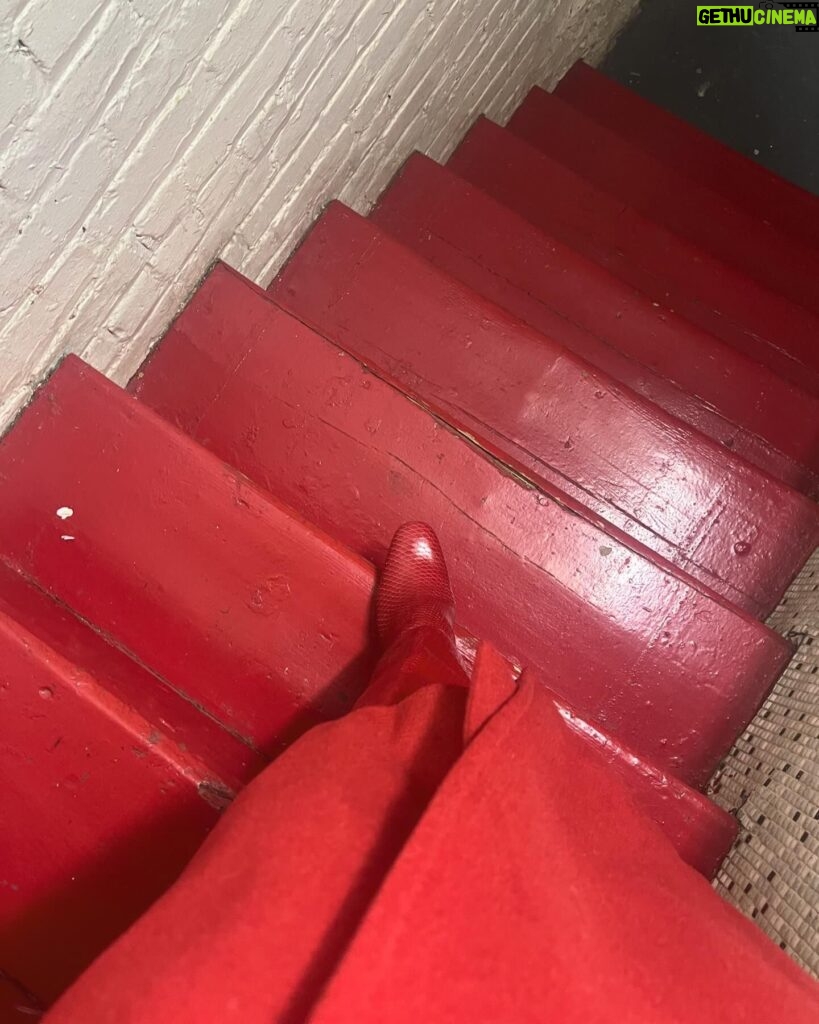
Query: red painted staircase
pixel 748 186
pixel 643 344
pixel 670 269
pixel 554 350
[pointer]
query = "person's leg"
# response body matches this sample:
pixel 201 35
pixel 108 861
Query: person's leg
pixel 262 916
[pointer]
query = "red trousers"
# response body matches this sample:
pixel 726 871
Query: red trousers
pixel 442 854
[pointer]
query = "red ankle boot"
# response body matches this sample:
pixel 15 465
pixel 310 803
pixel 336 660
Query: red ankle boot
pixel 415 614
pixel 414 589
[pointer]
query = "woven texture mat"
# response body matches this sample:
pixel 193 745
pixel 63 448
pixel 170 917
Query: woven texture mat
pixel 770 780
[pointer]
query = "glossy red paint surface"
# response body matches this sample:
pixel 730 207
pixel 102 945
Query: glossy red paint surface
pixel 238 603
pixel 698 155
pixel 674 490
pixel 671 270
pixel 110 782
pixel 111 777
pixel 656 661
pixel 701 832
pixel 692 375
pixel 16 1002
pixel 665 194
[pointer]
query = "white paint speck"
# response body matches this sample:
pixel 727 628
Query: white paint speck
pixel 703 88
pixel 66 536
pixel 64 512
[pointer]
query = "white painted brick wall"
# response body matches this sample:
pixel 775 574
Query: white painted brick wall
pixel 141 139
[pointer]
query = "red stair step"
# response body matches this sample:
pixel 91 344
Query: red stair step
pixel 669 269
pixel 665 194
pixel 688 149
pixel 110 782
pixel 692 375
pixel 674 490
pixel 653 659
pixel 243 607
pixel 701 831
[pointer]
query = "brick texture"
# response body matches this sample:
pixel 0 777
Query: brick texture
pixel 141 139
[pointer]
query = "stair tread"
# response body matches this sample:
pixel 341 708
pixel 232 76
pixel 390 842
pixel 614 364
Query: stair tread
pixel 650 257
pixel 701 832
pixel 636 648
pixel 103 802
pixel 190 737
pixel 699 155
pixel 692 375
pixel 234 600
pixel 741 533
pixel 778 261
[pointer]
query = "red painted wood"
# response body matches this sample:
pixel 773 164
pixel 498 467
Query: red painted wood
pixel 685 147
pixel 110 783
pixel 679 493
pixel 778 261
pixel 671 270
pixel 17 1004
pixel 692 375
pixel 702 833
pixel 111 778
pixel 655 660
pixel 233 599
